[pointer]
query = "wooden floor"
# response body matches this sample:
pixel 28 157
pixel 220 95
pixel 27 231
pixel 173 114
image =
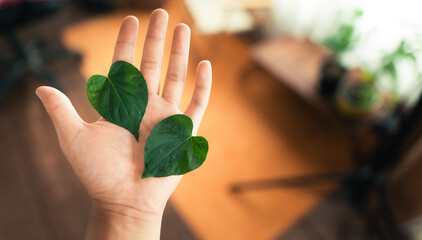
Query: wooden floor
pixel 257 129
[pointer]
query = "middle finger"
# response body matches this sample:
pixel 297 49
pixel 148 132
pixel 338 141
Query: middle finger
pixel 152 57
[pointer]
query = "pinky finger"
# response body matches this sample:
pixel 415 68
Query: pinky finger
pixel 201 94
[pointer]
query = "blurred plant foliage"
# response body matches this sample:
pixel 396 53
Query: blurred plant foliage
pixel 389 67
pixel 346 40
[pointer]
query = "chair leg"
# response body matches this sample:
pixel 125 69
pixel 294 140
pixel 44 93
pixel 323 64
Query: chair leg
pixel 290 182
pixel 386 212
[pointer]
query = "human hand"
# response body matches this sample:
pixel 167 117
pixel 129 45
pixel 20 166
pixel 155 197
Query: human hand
pixel 107 158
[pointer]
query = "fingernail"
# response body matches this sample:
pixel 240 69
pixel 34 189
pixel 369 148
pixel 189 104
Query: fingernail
pixel 207 62
pixel 36 93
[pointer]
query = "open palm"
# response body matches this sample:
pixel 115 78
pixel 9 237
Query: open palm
pixel 107 158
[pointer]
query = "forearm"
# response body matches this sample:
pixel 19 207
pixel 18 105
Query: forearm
pixel 118 222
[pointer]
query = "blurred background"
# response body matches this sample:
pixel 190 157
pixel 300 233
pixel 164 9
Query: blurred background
pixel 314 119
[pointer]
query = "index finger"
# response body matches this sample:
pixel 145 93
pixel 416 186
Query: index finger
pixel 126 41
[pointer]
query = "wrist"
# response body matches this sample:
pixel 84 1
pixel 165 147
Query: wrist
pixel 115 221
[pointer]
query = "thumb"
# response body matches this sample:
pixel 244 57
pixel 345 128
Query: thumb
pixel 64 116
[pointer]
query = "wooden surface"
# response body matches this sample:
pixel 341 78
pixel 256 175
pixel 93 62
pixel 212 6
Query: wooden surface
pixel 294 62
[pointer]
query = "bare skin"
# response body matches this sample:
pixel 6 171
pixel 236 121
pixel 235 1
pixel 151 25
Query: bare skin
pixel 107 158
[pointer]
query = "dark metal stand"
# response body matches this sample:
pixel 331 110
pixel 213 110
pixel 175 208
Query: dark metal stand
pixel 293 182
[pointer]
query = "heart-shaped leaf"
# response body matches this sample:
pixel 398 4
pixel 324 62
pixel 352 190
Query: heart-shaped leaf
pixel 172 150
pixel 121 98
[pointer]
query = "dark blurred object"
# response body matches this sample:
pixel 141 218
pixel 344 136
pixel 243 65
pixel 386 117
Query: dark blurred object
pixel 173 226
pixel 30 57
pixel 16 12
pixel 332 219
pixel 330 75
pixel 357 97
pixel 98 5
pixel 106 5
pixel 144 4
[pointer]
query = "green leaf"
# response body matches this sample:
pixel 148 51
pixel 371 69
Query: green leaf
pixel 121 98
pixel 172 150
